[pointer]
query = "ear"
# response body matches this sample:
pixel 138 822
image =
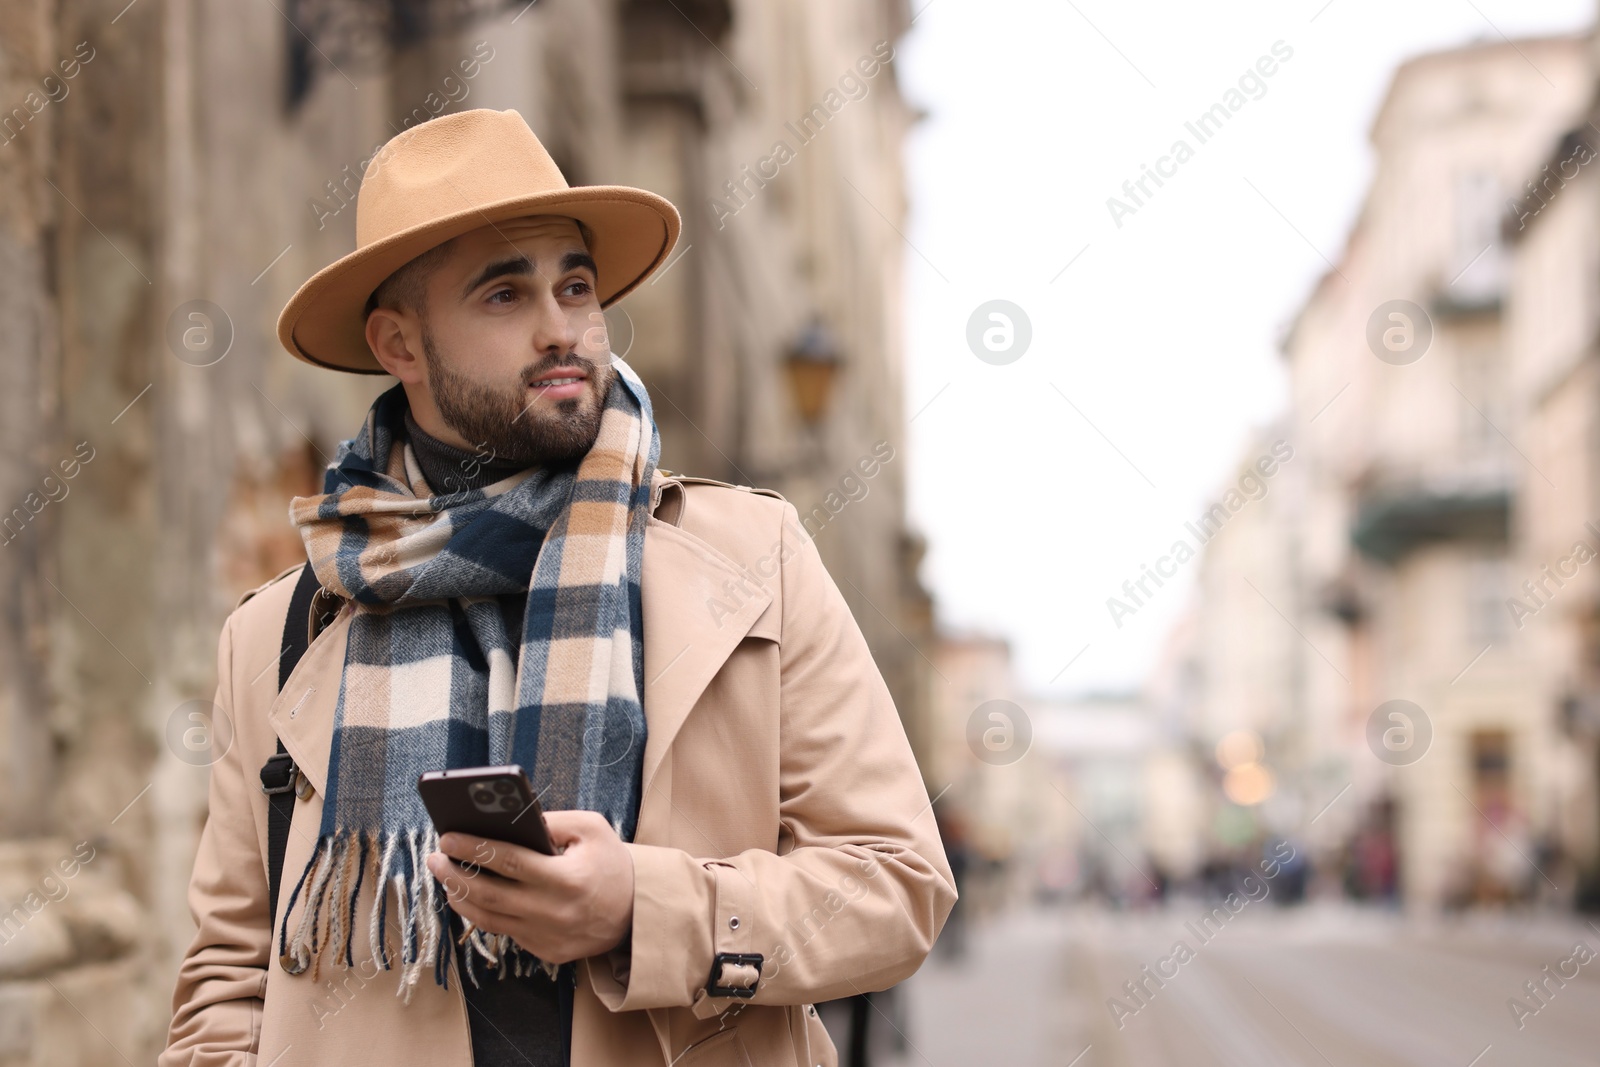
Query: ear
pixel 396 340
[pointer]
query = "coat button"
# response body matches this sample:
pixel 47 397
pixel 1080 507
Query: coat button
pixel 290 965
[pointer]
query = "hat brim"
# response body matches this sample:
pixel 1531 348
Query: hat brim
pixel 324 323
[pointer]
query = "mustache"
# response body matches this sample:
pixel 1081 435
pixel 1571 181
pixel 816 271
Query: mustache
pixel 590 368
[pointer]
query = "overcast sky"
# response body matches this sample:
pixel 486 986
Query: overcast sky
pixel 1043 483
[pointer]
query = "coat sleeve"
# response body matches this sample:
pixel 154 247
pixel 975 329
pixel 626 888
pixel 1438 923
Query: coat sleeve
pixel 216 1006
pixel 856 903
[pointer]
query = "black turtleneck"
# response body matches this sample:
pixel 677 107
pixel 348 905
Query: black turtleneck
pixel 456 470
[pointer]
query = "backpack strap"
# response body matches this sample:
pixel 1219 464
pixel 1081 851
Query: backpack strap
pixel 278 774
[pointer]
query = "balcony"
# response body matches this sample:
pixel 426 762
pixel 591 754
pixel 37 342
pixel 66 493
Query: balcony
pixel 1472 287
pixel 1396 514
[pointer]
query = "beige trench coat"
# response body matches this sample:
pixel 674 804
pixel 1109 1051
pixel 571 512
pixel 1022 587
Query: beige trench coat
pixel 782 814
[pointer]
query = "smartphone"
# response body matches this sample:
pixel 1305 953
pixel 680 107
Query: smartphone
pixel 493 802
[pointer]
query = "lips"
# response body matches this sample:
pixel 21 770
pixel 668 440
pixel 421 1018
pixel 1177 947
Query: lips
pixel 560 382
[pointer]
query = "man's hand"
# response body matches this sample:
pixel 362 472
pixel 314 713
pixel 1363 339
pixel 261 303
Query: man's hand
pixel 565 907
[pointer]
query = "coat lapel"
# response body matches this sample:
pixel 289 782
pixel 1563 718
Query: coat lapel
pixel 688 635
pixel 302 712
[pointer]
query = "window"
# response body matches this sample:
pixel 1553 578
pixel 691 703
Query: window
pixel 1476 273
pixel 1482 418
pixel 1488 585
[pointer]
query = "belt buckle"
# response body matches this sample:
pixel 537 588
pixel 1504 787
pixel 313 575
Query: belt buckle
pixel 745 992
pixel 278 773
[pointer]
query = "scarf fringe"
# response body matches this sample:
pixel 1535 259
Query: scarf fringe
pixel 395 859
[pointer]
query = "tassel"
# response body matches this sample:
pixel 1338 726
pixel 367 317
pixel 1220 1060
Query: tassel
pixel 355 895
pixel 430 909
pixel 288 910
pixel 343 856
pixel 381 891
pixel 413 909
pixel 331 883
pixel 402 900
pixel 472 973
pixel 301 946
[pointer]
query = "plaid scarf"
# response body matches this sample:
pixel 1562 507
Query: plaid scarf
pixel 434 678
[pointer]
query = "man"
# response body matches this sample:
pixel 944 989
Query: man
pixel 508 578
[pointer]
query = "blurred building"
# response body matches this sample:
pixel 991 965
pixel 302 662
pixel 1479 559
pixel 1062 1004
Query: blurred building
pixel 1055 798
pixel 1443 426
pixel 1551 321
pixel 1236 759
pixel 980 732
pixel 160 155
pixel 1097 751
pixel 1178 779
pixel 995 784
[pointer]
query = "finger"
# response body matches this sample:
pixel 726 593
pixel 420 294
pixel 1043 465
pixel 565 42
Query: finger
pixel 473 867
pixel 468 848
pixel 459 883
pixel 486 891
pixel 486 919
pixel 501 857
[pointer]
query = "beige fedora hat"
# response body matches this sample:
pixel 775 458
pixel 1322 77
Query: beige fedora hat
pixel 447 176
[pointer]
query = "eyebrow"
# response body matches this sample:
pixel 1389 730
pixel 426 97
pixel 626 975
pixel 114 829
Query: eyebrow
pixel 521 264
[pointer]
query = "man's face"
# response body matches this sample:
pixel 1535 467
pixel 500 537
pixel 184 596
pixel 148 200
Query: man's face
pixel 515 350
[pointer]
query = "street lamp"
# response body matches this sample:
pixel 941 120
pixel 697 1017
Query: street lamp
pixel 811 365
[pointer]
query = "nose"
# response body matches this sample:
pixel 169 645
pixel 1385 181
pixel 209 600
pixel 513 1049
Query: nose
pixel 553 332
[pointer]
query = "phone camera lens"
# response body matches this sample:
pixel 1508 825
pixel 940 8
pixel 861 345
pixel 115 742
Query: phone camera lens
pixel 504 785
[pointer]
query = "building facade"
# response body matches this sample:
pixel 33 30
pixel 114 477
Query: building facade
pixel 1409 710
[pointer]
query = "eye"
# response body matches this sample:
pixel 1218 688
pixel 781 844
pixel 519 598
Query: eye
pixel 577 287
pixel 492 297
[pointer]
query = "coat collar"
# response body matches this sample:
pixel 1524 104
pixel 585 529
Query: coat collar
pixel 685 644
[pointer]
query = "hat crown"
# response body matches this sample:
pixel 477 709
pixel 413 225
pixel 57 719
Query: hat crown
pixel 452 163
pixel 449 176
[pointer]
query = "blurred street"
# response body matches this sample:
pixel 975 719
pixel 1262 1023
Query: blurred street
pixel 1315 985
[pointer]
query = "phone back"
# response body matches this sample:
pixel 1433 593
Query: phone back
pixel 493 802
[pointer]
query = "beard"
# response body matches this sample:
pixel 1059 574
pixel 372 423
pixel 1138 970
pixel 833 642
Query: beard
pixel 511 425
